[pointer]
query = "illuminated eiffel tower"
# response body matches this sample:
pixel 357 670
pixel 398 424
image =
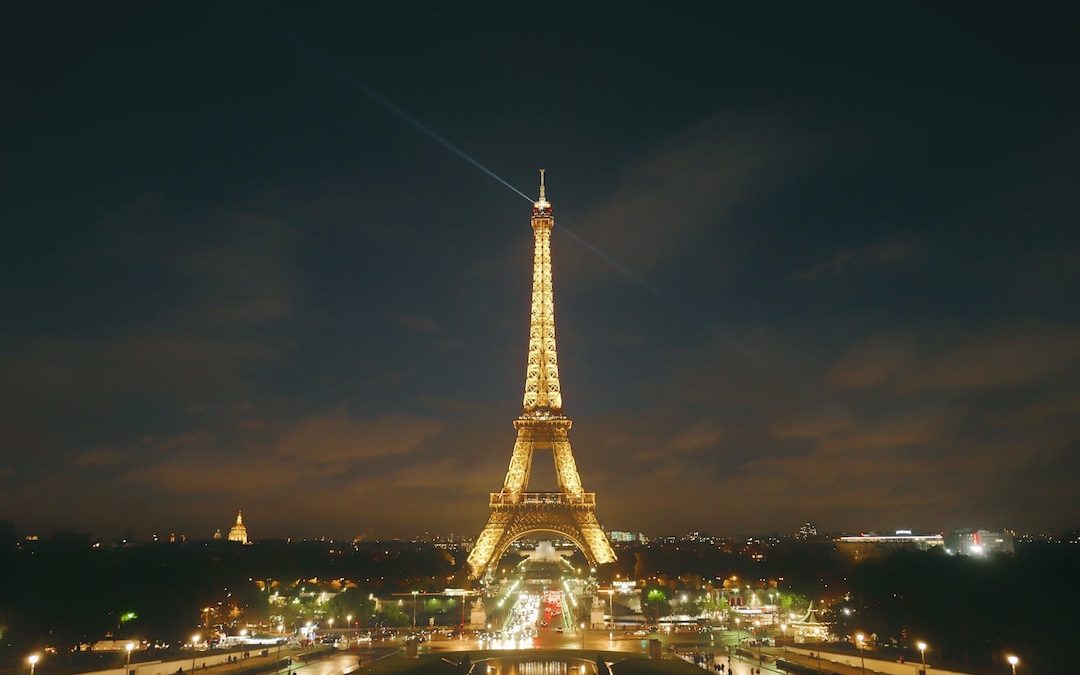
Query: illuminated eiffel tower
pixel 570 512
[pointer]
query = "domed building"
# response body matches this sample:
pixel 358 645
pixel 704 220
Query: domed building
pixel 238 533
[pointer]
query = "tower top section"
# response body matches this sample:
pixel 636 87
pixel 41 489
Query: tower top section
pixel 543 394
pixel 541 207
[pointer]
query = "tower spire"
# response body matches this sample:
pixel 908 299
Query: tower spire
pixel 542 204
pixel 543 395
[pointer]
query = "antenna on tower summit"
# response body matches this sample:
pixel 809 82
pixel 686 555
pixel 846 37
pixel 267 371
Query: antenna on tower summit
pixel 542 195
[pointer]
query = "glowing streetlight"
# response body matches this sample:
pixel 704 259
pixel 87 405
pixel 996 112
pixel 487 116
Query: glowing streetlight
pixel 859 637
pixel 128 648
pixel 783 636
pixel 1013 660
pixel 414 594
pixel 922 652
pixel 583 635
pixel 34 658
pixel 194 645
pixel 611 613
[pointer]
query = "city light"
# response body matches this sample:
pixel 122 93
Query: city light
pixel 859 637
pixel 414 594
pixel 194 647
pixel 33 660
pixel 1014 661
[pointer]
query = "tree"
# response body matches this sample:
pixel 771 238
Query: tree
pixel 654 604
pixel 353 602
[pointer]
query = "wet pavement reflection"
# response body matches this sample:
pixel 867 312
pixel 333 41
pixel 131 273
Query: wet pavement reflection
pixel 533 666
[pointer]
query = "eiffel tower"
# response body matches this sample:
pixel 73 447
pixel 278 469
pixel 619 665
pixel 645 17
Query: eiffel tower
pixel 570 512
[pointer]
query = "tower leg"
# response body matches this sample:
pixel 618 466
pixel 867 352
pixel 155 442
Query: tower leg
pixel 517 476
pixel 487 543
pixel 594 538
pixel 565 466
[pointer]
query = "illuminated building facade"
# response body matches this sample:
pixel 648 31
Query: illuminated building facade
pixel 807 531
pixel 238 533
pixel 624 537
pixel 863 546
pixel 570 512
pixel 976 542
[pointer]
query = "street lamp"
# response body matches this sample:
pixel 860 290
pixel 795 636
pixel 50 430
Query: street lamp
pixel 611 614
pixel 414 594
pixel 1013 660
pixel 34 658
pixel 128 647
pixel 922 652
pixel 859 637
pixel 583 635
pixel 194 646
pixel 783 636
pixel 738 635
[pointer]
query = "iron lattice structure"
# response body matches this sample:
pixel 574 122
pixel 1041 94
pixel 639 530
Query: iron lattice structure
pixel 570 512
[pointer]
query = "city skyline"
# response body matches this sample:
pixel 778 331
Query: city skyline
pixel 838 288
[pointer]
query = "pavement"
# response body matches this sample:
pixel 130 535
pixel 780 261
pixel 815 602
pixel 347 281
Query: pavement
pixel 338 664
pixel 594 640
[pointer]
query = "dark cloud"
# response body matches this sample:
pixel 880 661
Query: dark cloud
pixel 851 259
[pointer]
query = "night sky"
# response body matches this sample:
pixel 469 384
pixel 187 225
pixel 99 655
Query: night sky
pixel 837 271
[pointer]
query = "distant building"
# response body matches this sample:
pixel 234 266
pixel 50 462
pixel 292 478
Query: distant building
pixel 971 541
pixel 238 533
pixel 807 531
pixel 624 537
pixel 217 535
pixel 863 546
